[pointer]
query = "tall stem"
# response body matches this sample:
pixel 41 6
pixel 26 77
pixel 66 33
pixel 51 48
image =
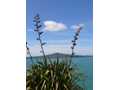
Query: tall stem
pixel 31 58
pixel 74 42
pixel 45 60
pixel 71 56
pixel 29 53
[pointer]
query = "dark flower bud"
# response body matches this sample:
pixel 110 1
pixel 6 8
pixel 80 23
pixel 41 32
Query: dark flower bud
pixel 40 33
pixel 38 21
pixel 27 48
pixel 43 44
pixel 38 26
pixel 36 30
pixel 76 38
pixel 73 40
pixel 34 20
pixel 38 39
pixel 77 34
pixel 74 44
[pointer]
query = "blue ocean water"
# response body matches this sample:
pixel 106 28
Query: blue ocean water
pixel 83 63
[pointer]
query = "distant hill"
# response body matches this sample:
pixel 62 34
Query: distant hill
pixel 62 55
pixel 54 55
pixel 58 55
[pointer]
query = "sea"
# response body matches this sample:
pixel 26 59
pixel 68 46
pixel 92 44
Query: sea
pixel 83 63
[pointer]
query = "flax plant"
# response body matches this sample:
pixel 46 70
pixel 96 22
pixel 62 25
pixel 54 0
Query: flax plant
pixel 51 74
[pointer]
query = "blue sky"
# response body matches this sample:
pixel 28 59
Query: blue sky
pixel 64 14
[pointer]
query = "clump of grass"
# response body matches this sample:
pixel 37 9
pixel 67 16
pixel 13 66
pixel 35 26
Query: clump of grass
pixel 52 74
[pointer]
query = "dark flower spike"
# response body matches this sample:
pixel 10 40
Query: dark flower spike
pixel 38 39
pixel 28 52
pixel 36 30
pixel 79 29
pixel 73 40
pixel 40 33
pixel 76 38
pixel 77 34
pixel 43 44
pixel 38 26
pixel 38 21
pixel 37 17
pixel 34 20
pixel 27 48
pixel 27 44
pixel 74 43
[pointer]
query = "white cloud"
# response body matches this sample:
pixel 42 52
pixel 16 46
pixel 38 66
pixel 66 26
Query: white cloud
pixel 77 26
pixel 54 26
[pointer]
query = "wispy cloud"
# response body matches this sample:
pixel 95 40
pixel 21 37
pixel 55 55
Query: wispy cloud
pixel 54 26
pixel 77 26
